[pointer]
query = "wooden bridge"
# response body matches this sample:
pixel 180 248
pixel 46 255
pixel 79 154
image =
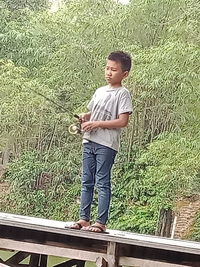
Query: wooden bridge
pixel 39 238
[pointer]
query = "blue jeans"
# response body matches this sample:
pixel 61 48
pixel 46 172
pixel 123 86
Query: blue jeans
pixel 97 163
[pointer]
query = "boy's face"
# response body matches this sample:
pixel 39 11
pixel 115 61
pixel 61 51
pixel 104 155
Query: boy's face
pixel 114 73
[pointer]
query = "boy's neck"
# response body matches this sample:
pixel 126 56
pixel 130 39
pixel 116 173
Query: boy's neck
pixel 115 85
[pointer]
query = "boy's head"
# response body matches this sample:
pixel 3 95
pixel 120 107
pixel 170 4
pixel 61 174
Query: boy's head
pixel 123 58
pixel 117 68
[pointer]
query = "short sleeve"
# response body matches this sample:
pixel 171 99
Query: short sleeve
pixel 91 103
pixel 125 104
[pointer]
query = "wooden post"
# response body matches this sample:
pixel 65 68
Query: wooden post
pixel 43 260
pixel 5 156
pixel 101 262
pixel 112 254
pixel 164 223
pixel 34 260
pixel 80 263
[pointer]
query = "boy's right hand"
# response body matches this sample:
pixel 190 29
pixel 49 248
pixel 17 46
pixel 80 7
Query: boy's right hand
pixel 83 117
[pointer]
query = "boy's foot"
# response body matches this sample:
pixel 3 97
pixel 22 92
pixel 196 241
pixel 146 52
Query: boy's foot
pixel 78 225
pixel 96 228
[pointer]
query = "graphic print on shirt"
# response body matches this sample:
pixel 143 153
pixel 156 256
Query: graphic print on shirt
pixel 100 109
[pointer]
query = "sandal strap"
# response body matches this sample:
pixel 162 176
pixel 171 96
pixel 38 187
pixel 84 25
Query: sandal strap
pixel 73 226
pixel 79 225
pixel 98 227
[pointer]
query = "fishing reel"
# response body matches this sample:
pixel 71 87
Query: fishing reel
pixel 75 128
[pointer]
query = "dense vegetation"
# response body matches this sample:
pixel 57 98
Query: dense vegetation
pixel 61 56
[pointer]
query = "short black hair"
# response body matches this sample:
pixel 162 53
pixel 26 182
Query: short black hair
pixel 123 58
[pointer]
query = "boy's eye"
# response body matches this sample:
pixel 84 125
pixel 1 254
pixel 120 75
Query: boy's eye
pixel 108 68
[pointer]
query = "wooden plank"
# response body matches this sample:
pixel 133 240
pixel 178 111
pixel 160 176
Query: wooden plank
pixel 51 250
pixel 3 265
pixel 128 261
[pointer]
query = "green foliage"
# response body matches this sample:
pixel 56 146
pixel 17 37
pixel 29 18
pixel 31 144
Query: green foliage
pixel 195 232
pixel 139 219
pixel 31 4
pixel 172 168
pixel 38 184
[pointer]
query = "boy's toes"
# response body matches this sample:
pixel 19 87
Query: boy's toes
pixel 97 228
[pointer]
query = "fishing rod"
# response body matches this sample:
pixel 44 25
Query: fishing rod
pixel 74 128
pixel 50 100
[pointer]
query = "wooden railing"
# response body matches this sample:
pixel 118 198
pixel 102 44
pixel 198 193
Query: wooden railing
pixel 39 238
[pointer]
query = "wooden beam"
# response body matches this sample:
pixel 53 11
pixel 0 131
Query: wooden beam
pixel 13 265
pixel 120 237
pixel 17 258
pixel 129 261
pixel 51 250
pixel 3 265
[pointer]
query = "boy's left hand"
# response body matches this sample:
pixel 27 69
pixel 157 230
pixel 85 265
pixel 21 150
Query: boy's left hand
pixel 90 125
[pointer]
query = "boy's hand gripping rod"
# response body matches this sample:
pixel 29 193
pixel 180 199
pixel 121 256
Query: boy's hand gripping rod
pixel 75 128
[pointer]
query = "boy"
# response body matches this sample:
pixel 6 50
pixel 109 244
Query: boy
pixel 109 111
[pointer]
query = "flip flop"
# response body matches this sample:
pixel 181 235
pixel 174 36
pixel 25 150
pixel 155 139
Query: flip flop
pixel 74 226
pixel 89 229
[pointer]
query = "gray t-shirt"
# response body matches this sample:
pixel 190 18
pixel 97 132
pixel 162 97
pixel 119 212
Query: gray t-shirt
pixel 107 104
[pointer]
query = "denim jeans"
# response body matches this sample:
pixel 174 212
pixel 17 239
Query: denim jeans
pixel 97 163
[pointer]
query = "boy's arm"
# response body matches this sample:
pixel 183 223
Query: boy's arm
pixel 121 122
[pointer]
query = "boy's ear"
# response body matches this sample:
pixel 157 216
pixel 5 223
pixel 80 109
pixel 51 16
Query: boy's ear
pixel 126 73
